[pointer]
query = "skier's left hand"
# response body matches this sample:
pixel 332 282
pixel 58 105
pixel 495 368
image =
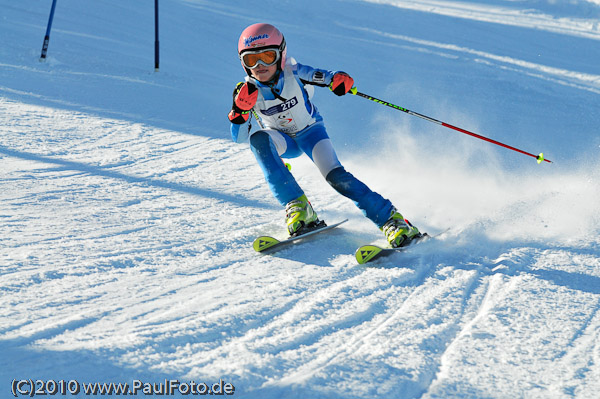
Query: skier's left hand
pixel 341 83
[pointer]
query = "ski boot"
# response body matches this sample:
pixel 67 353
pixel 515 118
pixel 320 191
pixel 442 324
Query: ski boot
pixel 300 216
pixel 398 231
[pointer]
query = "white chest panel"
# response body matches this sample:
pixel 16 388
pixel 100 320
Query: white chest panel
pixel 290 116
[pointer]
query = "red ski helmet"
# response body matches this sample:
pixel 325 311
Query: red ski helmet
pixel 261 36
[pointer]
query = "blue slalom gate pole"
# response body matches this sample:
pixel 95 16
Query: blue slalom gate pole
pixel 156 45
pixel 47 37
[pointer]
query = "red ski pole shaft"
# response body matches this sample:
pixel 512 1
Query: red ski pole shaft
pixel 539 157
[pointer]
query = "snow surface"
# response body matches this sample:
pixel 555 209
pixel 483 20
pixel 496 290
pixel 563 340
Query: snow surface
pixel 127 214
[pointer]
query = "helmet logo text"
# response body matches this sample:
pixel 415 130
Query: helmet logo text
pixel 249 40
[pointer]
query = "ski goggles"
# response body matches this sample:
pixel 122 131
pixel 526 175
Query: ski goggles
pixel 251 59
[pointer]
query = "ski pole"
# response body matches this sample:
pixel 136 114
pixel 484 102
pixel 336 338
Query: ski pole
pixel 539 158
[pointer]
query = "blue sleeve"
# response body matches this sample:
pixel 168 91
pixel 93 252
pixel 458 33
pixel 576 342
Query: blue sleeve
pixel 320 77
pixel 239 134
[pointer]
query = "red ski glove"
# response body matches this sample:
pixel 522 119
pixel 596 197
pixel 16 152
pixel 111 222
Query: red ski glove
pixel 238 117
pixel 341 83
pixel 244 99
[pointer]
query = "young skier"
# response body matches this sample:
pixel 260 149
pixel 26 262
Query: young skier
pixel 279 91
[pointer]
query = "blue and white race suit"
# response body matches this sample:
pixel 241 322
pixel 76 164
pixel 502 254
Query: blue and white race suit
pixel 292 126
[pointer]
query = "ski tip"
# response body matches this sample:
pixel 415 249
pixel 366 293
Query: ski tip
pixel 263 243
pixel 366 253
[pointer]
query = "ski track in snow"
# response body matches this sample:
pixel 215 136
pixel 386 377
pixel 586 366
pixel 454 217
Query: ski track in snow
pixel 579 80
pixel 125 236
pixel 316 333
pixel 581 27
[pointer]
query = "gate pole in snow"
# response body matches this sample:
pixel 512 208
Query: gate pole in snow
pixel 156 46
pixel 47 37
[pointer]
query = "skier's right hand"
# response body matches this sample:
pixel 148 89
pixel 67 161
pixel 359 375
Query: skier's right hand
pixel 244 99
pixel 246 96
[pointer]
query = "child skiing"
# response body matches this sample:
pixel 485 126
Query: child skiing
pixel 279 91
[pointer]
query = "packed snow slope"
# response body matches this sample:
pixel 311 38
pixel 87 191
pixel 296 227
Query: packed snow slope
pixel 127 214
